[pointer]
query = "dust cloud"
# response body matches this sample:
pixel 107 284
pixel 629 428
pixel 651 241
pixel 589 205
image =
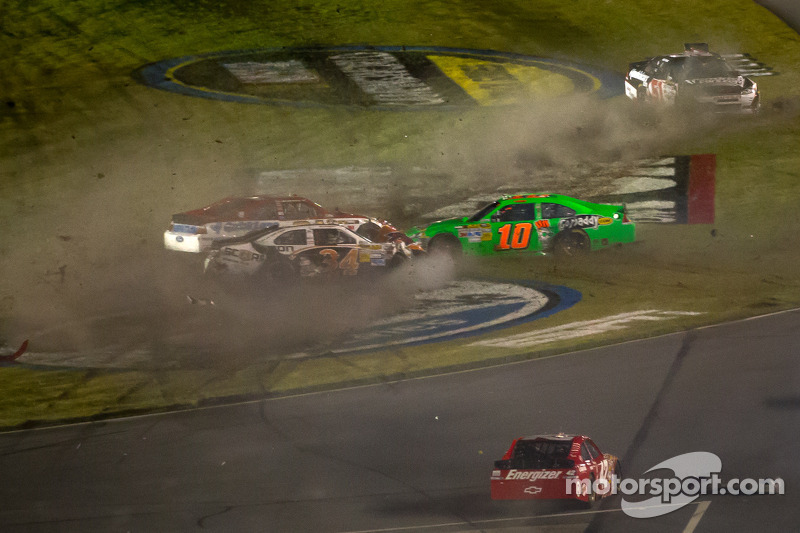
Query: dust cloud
pixel 85 273
pixel 86 279
pixel 491 147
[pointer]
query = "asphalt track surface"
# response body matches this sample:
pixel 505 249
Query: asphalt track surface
pixel 416 455
pixel 787 10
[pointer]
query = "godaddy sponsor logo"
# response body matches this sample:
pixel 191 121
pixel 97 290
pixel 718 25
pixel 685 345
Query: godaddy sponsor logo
pixel 694 474
pixel 580 221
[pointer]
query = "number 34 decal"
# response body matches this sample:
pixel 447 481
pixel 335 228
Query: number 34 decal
pixel 518 240
pixel 348 265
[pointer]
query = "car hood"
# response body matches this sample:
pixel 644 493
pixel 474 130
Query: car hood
pixel 728 80
pixel 726 85
pixel 445 223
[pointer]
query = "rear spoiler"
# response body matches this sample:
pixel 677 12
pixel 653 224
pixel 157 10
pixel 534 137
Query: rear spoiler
pixel 533 464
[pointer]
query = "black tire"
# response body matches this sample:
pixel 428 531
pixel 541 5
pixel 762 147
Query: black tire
pixel 618 470
pixel 280 270
pixel 592 496
pixel 397 260
pixel 756 106
pixel 571 243
pixel 445 244
pixel 641 94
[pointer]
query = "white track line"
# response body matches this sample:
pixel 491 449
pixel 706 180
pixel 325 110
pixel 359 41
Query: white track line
pixel 383 383
pixel 702 507
pixel 693 521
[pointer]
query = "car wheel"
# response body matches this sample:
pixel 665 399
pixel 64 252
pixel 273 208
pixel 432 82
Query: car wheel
pixel 618 470
pixel 445 244
pixel 756 106
pixel 571 243
pixel 397 260
pixel 592 496
pixel 280 271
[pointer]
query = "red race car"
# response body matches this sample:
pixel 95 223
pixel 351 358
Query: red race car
pixel 554 467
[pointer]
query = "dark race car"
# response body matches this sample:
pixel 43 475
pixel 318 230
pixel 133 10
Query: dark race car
pixel 195 230
pixel 305 251
pixel 696 79
pixel 554 467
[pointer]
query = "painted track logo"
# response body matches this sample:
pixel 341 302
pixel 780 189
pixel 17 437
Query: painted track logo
pixel 462 309
pixel 377 77
pixel 459 309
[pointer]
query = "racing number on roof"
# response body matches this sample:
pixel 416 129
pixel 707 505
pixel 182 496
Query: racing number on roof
pixel 518 240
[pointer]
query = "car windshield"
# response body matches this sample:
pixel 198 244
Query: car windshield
pixel 705 67
pixel 483 212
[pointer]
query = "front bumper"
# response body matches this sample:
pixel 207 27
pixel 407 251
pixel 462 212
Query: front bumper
pixel 736 105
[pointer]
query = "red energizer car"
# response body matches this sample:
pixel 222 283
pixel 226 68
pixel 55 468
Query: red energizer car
pixel 554 467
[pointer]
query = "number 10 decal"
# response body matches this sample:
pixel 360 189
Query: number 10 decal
pixel 519 239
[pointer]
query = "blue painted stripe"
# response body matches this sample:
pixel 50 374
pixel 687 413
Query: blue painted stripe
pixel 560 298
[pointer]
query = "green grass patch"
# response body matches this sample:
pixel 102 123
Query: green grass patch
pixel 78 135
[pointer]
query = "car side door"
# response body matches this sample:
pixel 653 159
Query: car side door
pixel 596 463
pixel 662 86
pixel 281 250
pixel 514 228
pixel 549 225
pixel 336 251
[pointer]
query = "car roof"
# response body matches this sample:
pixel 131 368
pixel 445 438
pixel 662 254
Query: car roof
pixel 261 232
pixel 247 237
pixel 556 437
pixel 558 198
pixel 525 196
pixel 314 225
pixel 263 197
pixel 694 53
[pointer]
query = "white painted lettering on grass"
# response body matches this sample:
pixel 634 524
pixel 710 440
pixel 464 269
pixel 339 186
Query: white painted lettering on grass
pixel 385 79
pixel 583 328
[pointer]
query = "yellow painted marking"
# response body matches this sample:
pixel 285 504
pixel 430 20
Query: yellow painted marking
pixel 494 83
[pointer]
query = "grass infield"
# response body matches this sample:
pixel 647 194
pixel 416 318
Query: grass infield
pixel 82 142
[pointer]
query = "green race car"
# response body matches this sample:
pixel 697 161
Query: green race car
pixel 532 224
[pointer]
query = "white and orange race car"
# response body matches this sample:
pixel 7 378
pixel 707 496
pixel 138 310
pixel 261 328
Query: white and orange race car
pixel 306 251
pixel 554 467
pixel 196 230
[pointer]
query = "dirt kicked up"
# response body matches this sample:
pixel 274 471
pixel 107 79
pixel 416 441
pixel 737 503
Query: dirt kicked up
pixel 93 163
